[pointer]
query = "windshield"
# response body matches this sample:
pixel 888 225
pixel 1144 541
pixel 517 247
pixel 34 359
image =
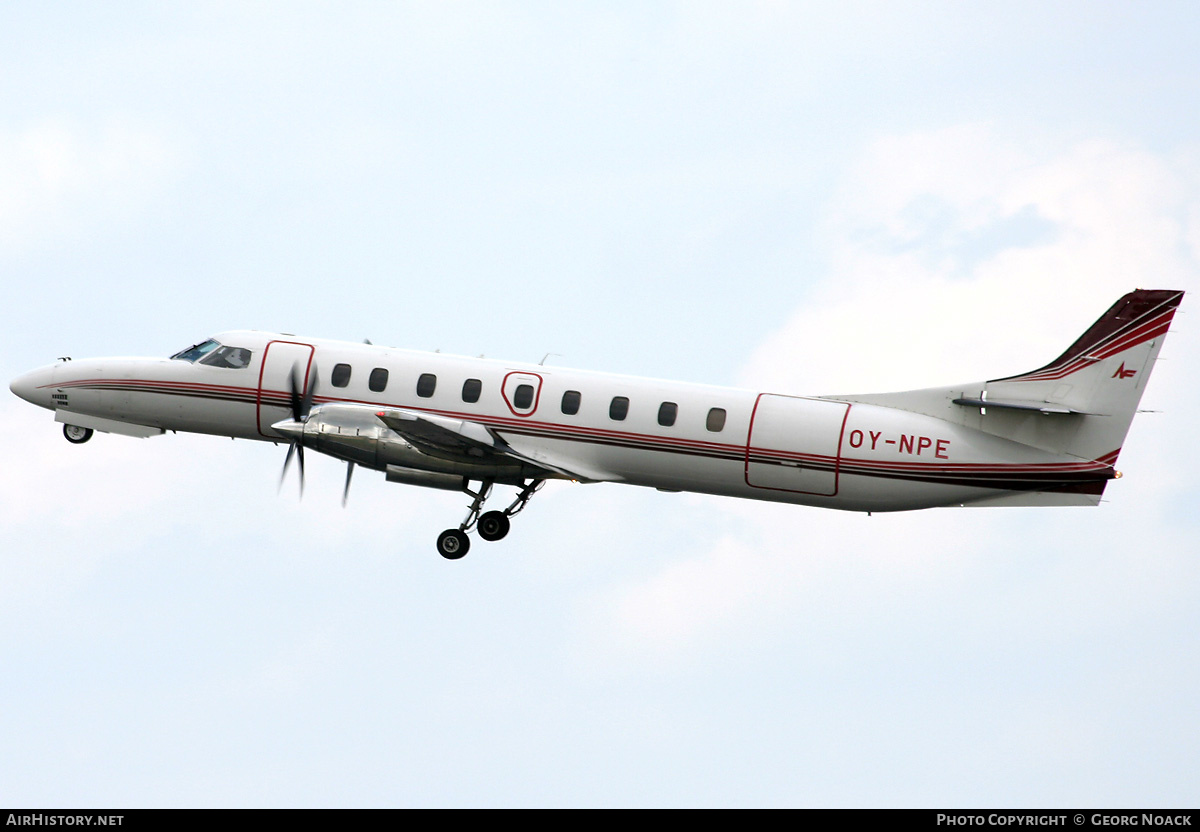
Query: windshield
pixel 214 354
pixel 196 351
pixel 233 358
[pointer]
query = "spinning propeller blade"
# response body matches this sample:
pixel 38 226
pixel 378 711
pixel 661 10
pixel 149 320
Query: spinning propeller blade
pixel 286 462
pixel 346 490
pixel 301 401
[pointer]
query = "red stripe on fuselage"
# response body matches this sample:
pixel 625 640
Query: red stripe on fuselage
pixel 990 475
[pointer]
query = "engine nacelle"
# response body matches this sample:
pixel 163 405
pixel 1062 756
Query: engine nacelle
pixel 426 479
pixel 356 434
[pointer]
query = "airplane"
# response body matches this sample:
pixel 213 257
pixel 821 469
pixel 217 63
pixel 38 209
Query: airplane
pixel 1048 437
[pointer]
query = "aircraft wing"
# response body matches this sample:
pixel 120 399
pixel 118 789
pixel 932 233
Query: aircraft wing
pixel 467 441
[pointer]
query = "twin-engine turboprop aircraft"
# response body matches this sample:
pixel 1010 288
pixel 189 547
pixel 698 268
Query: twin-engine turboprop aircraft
pixel 1049 437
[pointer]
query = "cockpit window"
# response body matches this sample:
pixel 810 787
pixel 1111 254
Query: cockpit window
pixel 233 358
pixel 196 351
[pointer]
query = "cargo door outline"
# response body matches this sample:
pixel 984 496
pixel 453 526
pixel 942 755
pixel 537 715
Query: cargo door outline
pixel 795 444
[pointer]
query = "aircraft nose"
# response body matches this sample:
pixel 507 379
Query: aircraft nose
pixel 26 386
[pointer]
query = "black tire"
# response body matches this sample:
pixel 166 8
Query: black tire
pixel 77 435
pixel 493 525
pixel 453 544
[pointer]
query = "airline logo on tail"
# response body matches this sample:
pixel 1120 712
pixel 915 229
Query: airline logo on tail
pixel 1123 373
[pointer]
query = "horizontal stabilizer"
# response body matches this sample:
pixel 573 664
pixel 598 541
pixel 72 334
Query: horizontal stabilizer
pixel 1028 499
pixel 1040 407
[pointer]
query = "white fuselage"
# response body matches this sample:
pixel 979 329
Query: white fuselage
pixel 742 443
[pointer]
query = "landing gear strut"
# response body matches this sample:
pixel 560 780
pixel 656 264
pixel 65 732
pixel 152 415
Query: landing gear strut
pixel 493 525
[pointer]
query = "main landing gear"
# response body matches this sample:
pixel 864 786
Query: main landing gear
pixel 492 525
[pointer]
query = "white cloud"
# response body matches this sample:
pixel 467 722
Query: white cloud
pixel 919 295
pixel 907 304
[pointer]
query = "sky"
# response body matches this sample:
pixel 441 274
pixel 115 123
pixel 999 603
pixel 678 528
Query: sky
pixel 809 198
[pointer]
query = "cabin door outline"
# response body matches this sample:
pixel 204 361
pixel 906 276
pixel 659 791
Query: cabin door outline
pixel 274 378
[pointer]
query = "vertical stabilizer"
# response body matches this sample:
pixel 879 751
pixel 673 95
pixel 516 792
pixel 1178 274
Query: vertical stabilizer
pixel 1099 380
pixel 1081 403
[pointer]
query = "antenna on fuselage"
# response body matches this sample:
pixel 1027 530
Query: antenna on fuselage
pixel 542 363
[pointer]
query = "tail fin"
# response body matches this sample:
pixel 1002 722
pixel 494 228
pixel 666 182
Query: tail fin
pixel 1081 403
pixel 1100 378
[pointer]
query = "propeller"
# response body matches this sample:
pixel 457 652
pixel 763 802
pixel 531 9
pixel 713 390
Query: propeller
pixel 346 490
pixel 301 405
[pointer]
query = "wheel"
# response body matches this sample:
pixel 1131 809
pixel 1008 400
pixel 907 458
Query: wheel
pixel 453 544
pixel 77 435
pixel 493 525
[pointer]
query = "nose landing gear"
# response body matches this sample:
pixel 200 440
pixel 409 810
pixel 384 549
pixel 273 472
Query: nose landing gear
pixel 452 544
pixel 77 435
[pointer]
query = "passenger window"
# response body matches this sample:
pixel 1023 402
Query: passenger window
pixel 471 390
pixel 523 397
pixel 341 375
pixel 378 380
pixel 426 384
pixel 666 413
pixel 570 402
pixel 716 419
pixel 618 409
